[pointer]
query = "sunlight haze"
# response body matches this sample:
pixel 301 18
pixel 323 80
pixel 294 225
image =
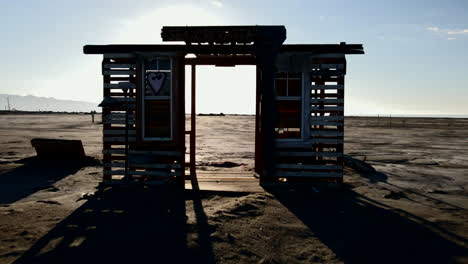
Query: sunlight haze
pixel 415 61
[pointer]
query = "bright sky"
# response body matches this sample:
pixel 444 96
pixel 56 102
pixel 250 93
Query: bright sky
pixel 416 59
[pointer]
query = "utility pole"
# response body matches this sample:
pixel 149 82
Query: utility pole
pixel 8 102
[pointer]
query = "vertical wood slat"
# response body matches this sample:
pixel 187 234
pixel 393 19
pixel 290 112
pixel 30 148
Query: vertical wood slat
pixel 322 91
pixel 258 140
pixel 180 101
pixel 193 121
pixel 105 112
pixel 340 147
pixel 113 90
pixel 306 93
pixel 139 98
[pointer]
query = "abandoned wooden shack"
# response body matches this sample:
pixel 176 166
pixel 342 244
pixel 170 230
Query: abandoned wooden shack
pixel 299 102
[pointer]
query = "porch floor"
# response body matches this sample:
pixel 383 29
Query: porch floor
pixel 224 181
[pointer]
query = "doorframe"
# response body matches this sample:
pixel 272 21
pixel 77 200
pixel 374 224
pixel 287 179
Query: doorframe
pixel 244 60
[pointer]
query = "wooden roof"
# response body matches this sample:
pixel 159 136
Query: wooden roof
pixel 342 48
pixel 226 40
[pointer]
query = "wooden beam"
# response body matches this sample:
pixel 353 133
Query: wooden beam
pixel 127 51
pixel 221 60
pixel 193 121
pixel 211 34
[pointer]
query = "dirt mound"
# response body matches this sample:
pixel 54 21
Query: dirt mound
pixel 245 206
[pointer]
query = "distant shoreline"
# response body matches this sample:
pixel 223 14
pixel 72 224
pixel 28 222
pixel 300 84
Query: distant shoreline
pixel 20 112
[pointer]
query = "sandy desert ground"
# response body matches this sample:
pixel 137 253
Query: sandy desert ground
pixel 406 203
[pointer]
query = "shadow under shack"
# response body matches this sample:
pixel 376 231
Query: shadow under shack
pixel 142 224
pixel 362 230
pixel 126 224
pixel 38 173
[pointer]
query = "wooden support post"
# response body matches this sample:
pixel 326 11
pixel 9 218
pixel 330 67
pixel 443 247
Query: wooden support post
pixel 258 140
pixel 306 104
pixel 268 110
pixel 321 106
pixel 267 46
pixel 106 111
pixel 340 148
pixel 193 123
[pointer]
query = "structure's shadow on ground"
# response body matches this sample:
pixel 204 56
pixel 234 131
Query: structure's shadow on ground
pixel 367 171
pixel 35 174
pixel 133 224
pixel 361 230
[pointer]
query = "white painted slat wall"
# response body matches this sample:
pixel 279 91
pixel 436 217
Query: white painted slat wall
pixel 118 65
pixel 117 72
pixel 327 87
pixel 326 109
pixel 326 101
pixel 119 85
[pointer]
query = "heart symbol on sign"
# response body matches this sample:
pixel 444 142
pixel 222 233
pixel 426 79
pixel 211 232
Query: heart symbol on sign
pixel 156 81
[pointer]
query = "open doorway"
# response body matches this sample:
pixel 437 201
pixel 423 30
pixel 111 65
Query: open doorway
pixel 225 122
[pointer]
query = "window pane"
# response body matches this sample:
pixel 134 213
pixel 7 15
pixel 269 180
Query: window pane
pixel 157 83
pixel 280 87
pixel 151 65
pixel 157 118
pixel 288 124
pixel 281 75
pixel 294 75
pixel 164 64
pixel 294 87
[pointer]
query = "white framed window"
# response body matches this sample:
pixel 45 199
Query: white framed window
pixel 288 90
pixel 157 99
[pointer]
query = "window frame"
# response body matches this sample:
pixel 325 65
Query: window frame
pixel 155 98
pixel 292 98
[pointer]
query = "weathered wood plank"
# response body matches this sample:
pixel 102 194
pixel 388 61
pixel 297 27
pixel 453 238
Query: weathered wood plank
pixel 156 153
pixel 118 139
pixel 118 65
pixel 339 66
pixel 327 101
pixel 145 166
pixel 325 123
pixel 327 108
pixel 309 167
pixel 119 72
pixel 306 83
pixel 288 98
pixel 326 118
pixel 326 73
pixel 293 144
pixel 143 173
pixel 120 99
pixel 118 121
pixel 325 95
pixel 309 174
pixel 129 106
pixel 327 87
pixel 107 132
pixel 326 141
pixel 120 85
pixel 314 132
pixel 118 55
pixel 309 154
pixel 156 166
pixel 119 116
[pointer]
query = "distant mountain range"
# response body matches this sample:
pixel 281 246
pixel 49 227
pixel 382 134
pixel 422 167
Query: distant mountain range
pixel 34 103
